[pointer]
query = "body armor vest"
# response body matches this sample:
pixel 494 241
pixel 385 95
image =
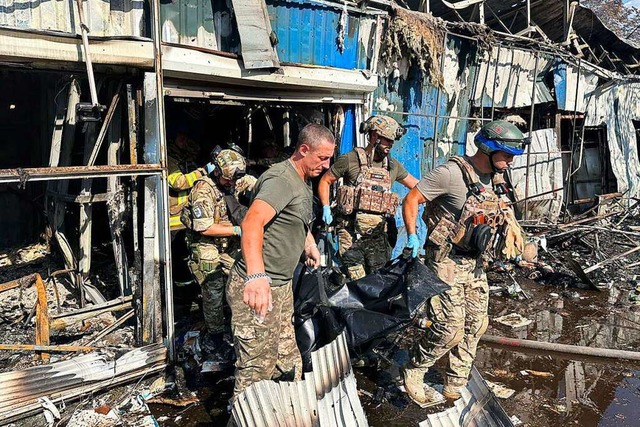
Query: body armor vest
pixel 220 215
pixel 372 192
pixel 446 232
pixel 208 254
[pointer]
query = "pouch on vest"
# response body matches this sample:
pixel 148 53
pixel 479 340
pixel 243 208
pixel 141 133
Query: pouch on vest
pixel 383 202
pixel 205 260
pixel 367 223
pixel 345 197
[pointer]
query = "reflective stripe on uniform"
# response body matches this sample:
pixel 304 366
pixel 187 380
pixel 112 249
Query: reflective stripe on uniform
pixel 173 177
pixel 192 177
pixel 174 221
pixel 183 198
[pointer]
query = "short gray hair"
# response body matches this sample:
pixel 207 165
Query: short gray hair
pixel 313 135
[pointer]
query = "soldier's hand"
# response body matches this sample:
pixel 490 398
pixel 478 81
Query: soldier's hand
pixel 413 244
pixel 326 214
pixel 257 295
pixel 313 256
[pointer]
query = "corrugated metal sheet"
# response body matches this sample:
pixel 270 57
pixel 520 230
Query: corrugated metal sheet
pixel 104 18
pixel 308 33
pixel 511 85
pixel 545 174
pixel 201 23
pixel 572 87
pixel 616 105
pixel 477 407
pixel 254 27
pixel 327 396
pixel 64 380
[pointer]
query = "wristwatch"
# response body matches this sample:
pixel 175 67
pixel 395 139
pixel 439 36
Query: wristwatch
pixel 256 276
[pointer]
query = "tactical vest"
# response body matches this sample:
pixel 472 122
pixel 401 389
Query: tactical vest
pixel 446 232
pixel 207 253
pixel 372 192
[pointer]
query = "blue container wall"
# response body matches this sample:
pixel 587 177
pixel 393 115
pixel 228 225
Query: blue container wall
pixel 417 99
pixel 348 141
pixel 308 32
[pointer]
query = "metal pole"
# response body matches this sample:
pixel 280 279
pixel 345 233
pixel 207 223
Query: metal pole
pixel 533 102
pixel 562 348
pixel 84 30
pixel 495 78
pixel 162 201
pixel 434 153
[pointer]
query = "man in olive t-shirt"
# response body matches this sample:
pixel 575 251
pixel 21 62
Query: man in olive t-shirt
pixel 275 233
pixel 362 235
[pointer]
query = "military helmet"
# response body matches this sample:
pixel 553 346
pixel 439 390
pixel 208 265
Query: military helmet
pixel 500 135
pixel 230 164
pixel 384 126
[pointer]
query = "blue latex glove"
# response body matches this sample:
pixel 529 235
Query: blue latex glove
pixel 209 167
pixel 413 244
pixel 326 215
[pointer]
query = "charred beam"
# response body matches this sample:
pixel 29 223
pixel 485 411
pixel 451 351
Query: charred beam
pixel 23 175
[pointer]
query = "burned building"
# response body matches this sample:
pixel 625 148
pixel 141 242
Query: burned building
pixel 94 93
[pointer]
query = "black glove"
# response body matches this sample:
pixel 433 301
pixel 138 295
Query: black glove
pixel 480 237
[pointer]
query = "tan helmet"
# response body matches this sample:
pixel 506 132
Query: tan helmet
pixel 384 126
pixel 230 164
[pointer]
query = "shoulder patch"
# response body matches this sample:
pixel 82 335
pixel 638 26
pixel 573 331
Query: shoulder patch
pixel 197 211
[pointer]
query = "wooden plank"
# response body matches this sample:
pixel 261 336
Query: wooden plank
pixel 254 27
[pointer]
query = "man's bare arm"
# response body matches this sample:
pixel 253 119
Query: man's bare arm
pixel 325 183
pixel 410 209
pixel 257 293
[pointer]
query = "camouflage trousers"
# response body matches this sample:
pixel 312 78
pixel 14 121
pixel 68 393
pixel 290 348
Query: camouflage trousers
pixel 265 350
pixel 360 257
pixel 459 318
pixel 212 301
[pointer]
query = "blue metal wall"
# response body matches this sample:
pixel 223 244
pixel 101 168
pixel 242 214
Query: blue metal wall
pixel 416 100
pixel 348 141
pixel 307 34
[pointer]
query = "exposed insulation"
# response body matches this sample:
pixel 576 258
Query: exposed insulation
pixel 417 36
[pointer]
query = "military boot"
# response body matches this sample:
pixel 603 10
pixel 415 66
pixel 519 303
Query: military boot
pixel 421 393
pixel 452 388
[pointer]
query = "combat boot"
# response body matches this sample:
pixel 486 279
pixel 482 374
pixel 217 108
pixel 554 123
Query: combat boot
pixel 421 393
pixel 452 388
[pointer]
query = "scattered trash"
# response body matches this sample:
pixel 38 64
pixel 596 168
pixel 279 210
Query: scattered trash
pixel 540 374
pixel 91 418
pixel 513 320
pixel 500 390
pixel 515 421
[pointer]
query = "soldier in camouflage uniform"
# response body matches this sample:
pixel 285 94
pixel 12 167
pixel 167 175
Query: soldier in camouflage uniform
pixel 364 200
pixel 212 238
pixel 466 221
pixel 276 232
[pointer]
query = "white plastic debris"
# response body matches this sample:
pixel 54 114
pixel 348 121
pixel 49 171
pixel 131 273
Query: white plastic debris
pixel 500 390
pixel 513 320
pixel 51 413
